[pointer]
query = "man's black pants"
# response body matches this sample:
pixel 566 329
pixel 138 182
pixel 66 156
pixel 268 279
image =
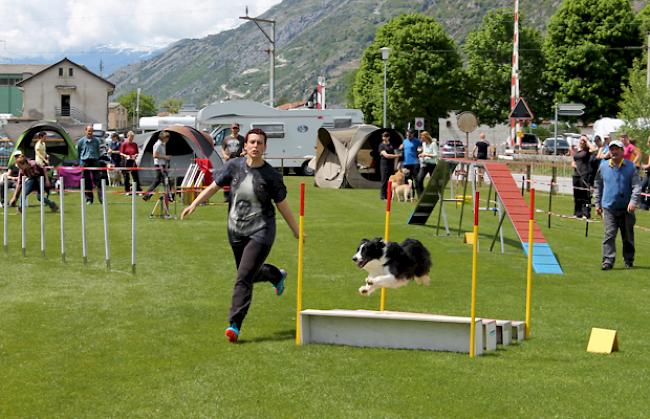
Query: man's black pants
pixel 249 259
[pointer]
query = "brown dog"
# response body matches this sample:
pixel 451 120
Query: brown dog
pixel 404 192
pixel 397 179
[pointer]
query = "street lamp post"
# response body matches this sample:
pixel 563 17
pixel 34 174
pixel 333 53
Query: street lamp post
pixel 137 109
pixel 385 52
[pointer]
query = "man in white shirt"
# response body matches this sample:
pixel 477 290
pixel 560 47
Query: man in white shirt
pixel 160 160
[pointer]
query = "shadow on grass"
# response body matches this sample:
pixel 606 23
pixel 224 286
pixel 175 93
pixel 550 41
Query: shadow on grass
pixel 275 337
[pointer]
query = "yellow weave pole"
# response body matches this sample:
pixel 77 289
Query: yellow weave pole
pixel 389 198
pixel 472 327
pixel 301 233
pixel 529 275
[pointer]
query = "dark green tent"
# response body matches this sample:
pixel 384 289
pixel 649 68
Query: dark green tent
pixel 60 146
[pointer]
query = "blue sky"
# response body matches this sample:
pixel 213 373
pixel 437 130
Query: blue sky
pixel 38 28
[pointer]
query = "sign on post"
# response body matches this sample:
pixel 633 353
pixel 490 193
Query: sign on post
pixel 419 124
pixel 570 109
pixel 521 111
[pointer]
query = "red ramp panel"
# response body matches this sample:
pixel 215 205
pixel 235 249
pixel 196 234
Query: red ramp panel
pixel 519 213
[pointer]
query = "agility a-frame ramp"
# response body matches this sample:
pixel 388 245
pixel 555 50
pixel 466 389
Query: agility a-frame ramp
pixel 544 261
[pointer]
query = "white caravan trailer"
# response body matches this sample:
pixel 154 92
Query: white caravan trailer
pixel 292 134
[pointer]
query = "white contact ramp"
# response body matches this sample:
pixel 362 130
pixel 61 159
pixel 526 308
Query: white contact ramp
pixel 390 329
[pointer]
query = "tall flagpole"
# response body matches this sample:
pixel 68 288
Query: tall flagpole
pixel 514 88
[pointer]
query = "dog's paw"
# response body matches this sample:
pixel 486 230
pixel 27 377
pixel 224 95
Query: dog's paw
pixel 366 290
pixel 370 281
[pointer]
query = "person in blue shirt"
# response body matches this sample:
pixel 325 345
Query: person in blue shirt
pixel 618 192
pixel 410 152
pixel 88 152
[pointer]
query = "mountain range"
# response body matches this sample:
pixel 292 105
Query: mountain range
pixel 313 38
pixel 101 60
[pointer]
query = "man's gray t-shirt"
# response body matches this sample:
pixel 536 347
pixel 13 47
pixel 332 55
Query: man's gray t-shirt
pixel 160 148
pixel 253 190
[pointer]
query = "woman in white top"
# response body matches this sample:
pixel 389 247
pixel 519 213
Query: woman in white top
pixel 428 160
pixel 42 159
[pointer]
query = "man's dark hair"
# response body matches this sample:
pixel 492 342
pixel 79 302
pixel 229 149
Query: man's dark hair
pixel 41 134
pixel 257 131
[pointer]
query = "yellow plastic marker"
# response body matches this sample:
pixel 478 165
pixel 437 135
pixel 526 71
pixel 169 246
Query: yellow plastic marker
pixel 301 232
pixel 472 327
pixel 529 276
pixel 602 341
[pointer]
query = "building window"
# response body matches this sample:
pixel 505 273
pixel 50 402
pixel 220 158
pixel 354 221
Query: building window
pixel 70 72
pixel 271 130
pixel 60 71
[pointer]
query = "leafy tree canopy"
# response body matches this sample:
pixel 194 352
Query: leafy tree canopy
pixel 424 72
pixel 587 53
pixel 635 107
pixel 129 101
pixel 489 68
pixel 171 105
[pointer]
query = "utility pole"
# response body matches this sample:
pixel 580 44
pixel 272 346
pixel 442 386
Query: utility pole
pixel 271 50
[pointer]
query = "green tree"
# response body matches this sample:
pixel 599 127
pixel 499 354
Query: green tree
pixel 129 101
pixel 489 69
pixel 588 55
pixel 635 107
pixel 171 105
pixel 644 22
pixel 424 71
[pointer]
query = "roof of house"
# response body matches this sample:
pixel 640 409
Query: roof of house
pixel 71 62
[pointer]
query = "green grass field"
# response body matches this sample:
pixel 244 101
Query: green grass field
pixel 79 341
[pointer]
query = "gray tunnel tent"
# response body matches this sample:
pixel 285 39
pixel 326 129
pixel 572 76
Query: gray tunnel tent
pixel 349 157
pixel 185 144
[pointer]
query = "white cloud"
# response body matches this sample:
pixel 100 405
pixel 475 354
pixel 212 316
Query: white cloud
pixel 43 27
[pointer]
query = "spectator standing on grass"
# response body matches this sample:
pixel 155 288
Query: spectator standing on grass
pixel 409 149
pixel 480 150
pixel 114 150
pixel 32 173
pixel 10 177
pixel 256 186
pixel 581 178
pixel 603 151
pixel 618 190
pixel 88 153
pixel 645 201
pixel 629 149
pixel 387 157
pixel 161 161
pixel 428 160
pixel 129 152
pixel 231 147
pixel 40 150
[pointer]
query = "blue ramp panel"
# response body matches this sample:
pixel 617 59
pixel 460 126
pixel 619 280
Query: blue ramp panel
pixel 544 261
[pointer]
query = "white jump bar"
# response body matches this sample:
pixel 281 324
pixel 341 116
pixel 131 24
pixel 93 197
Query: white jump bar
pixel 390 329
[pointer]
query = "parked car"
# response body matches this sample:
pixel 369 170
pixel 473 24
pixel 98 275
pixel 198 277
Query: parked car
pixel 530 143
pixel 453 148
pixel 558 146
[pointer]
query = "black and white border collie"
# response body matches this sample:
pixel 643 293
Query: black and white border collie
pixel 392 265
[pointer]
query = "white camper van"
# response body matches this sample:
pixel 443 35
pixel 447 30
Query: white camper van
pixel 292 134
